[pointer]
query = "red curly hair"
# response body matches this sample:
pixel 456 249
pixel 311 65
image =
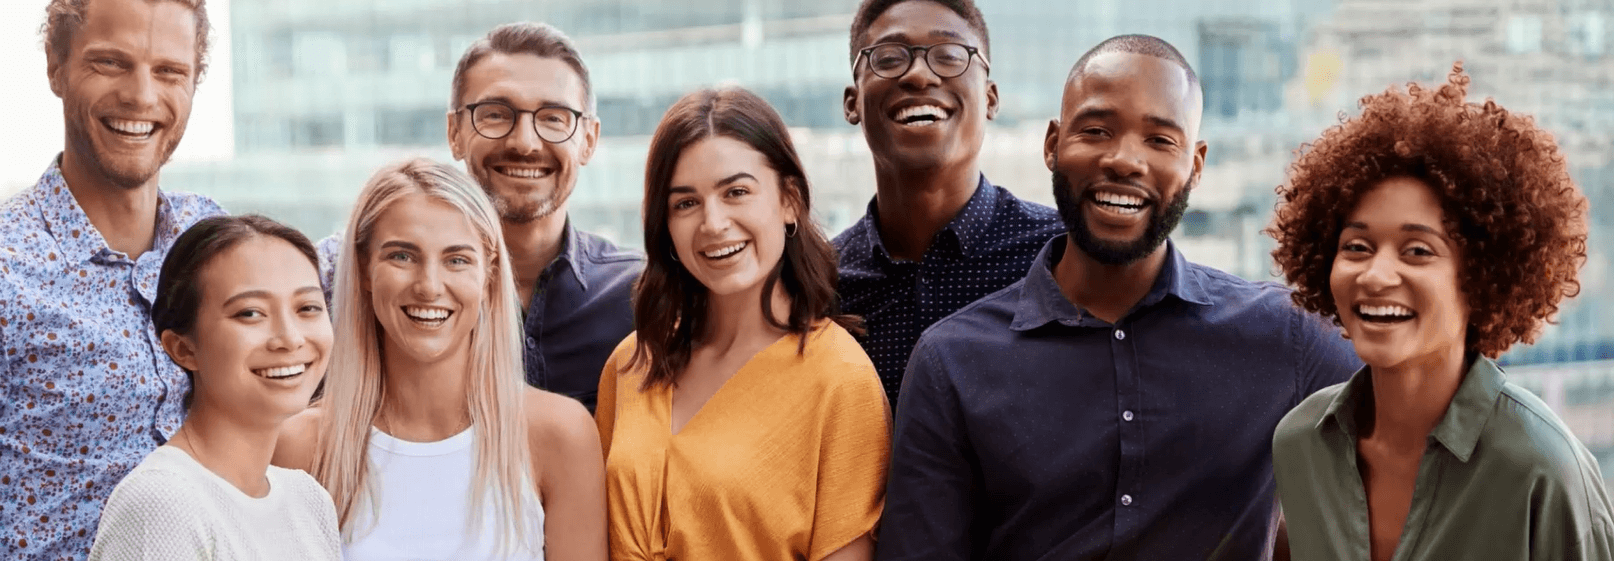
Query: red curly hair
pixel 1505 193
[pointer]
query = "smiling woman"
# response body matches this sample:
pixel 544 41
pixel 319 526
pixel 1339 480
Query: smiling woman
pixel 239 307
pixel 427 437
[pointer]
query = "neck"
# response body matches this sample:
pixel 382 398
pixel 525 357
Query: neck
pixel 1106 291
pixel 425 402
pixel 235 449
pixel 125 217
pixel 736 320
pixel 1409 399
pixel 914 205
pixel 533 246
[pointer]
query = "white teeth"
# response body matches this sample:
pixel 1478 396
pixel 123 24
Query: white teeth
pixel 933 112
pixel 426 314
pixel 283 371
pixel 1118 199
pixel 523 173
pixel 136 128
pixel 724 252
pixel 1384 311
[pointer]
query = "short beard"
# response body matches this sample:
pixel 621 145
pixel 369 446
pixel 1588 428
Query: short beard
pixel 526 213
pixel 1161 222
pixel 78 141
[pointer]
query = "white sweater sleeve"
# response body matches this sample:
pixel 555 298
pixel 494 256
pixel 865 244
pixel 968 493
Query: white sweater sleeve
pixel 152 515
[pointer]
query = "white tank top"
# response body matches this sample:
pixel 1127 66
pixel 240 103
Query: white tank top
pixel 423 492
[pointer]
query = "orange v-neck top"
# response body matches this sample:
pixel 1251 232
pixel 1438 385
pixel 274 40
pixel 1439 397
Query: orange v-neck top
pixel 786 461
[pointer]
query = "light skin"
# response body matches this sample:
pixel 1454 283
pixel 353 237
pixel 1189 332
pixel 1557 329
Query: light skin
pixel 724 196
pixel 924 173
pixel 257 351
pixel 427 276
pixel 528 178
pixel 126 87
pixel 1129 125
pixel 1395 284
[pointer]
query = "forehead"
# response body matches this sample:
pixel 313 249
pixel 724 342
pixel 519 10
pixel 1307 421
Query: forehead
pixel 1127 82
pixel 920 22
pixel 424 221
pixel 164 27
pixel 257 261
pixel 525 80
pixel 1400 200
pixel 717 157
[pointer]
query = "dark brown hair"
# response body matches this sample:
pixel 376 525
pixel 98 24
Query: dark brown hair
pixel 870 10
pixel 669 304
pixel 63 18
pixel 538 39
pixel 179 290
pixel 1505 193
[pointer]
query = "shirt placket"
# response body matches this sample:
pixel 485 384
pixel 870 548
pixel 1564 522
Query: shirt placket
pixel 1129 482
pixel 533 349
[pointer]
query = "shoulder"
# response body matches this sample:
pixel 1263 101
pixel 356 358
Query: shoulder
pixel 190 208
pixel 1528 435
pixel 990 314
pixel 154 490
pixel 1021 217
pixel 1300 424
pixel 837 357
pixel 603 251
pixel 299 436
pixel 557 423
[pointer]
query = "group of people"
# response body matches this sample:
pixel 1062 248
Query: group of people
pixel 461 374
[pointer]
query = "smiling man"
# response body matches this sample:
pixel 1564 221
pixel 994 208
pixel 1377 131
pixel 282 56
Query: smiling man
pixel 937 235
pixel 1119 401
pixel 86 391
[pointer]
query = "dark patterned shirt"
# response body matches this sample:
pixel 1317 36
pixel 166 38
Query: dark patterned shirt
pixel 988 246
pixel 86 390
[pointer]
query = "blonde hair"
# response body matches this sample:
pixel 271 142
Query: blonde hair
pixel 355 380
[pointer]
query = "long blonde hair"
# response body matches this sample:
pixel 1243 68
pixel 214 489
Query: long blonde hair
pixel 355 380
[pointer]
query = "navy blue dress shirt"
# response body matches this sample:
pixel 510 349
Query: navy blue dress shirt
pixel 1029 429
pixel 581 309
pixel 987 246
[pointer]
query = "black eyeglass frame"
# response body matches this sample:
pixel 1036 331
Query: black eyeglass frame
pixel 577 119
pixel 912 50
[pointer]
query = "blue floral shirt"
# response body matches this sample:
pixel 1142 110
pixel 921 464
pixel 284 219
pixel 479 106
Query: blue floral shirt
pixel 86 390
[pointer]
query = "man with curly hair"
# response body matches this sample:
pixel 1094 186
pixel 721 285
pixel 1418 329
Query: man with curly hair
pixel 1118 401
pixel 1437 233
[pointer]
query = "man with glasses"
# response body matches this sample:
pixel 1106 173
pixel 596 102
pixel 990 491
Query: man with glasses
pixel 937 235
pixel 522 119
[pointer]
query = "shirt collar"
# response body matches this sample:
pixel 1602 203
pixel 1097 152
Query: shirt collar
pixel 571 253
pixel 1042 302
pixel 1459 430
pixel 971 222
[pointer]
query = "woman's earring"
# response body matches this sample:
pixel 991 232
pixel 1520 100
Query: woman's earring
pixel 790 230
pixel 674 253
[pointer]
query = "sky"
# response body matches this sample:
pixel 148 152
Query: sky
pixel 31 129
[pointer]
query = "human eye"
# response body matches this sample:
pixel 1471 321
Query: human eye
pixel 399 256
pixel 736 192
pixel 1354 246
pixel 310 308
pixel 1420 250
pixel 683 204
pixel 249 313
pixel 460 260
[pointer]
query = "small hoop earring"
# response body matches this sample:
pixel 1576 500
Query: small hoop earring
pixel 790 230
pixel 674 253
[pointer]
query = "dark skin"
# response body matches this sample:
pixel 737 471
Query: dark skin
pixel 924 174
pixel 1129 125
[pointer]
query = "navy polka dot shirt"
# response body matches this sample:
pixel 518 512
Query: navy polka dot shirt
pixel 988 246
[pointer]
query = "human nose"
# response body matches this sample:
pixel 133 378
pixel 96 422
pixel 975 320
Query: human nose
pixel 1123 159
pixel 428 281
pixel 714 218
pixel 288 335
pixel 139 91
pixel 1380 273
pixel 919 74
pixel 523 137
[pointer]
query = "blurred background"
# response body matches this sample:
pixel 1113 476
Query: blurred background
pixel 305 98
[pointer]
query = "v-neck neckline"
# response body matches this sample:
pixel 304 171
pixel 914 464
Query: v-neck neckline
pixel 668 403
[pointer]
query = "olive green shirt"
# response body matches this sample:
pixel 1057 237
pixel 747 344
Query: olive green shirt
pixel 1501 478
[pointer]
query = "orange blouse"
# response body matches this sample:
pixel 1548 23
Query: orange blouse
pixel 786 461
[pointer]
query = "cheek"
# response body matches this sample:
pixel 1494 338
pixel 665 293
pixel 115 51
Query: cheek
pixel 1340 278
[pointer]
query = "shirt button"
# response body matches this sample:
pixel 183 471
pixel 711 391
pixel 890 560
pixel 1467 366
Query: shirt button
pixel 1126 415
pixel 1120 335
pixel 1126 500
pixel 531 342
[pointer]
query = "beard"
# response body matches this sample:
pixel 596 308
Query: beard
pixel 117 170
pixel 1162 220
pixel 520 208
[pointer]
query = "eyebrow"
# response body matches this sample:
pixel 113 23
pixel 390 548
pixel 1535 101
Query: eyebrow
pixel 721 182
pixel 1408 227
pixel 900 37
pixel 512 103
pixel 1108 113
pixel 94 50
pixel 265 294
pixel 401 244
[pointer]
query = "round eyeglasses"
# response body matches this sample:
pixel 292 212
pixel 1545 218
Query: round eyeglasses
pixel 495 119
pixel 947 60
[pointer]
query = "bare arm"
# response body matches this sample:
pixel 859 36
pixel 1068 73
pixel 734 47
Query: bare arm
pixel 571 477
pixel 861 549
pixel 298 436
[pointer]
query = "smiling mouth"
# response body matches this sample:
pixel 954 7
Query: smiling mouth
pixel 283 372
pixel 523 172
pixel 921 115
pixel 1119 203
pixel 137 130
pixel 725 252
pixel 427 316
pixel 1384 314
